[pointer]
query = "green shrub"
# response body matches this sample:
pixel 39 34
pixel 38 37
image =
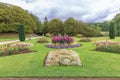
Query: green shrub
pixel 85 40
pixel 43 40
pixel 109 48
pixel 48 35
pixel 112 31
pixel 21 31
pixel 79 35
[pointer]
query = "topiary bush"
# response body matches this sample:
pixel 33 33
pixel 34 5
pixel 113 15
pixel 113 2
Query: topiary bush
pixel 85 40
pixel 112 32
pixel 43 40
pixel 21 31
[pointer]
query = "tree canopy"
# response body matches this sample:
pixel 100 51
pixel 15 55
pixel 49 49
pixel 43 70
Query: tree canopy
pixel 11 16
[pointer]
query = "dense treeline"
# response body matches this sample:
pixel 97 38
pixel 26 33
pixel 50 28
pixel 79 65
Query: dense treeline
pixel 105 26
pixel 11 16
pixel 70 27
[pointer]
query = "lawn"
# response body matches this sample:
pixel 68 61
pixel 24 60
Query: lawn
pixel 8 37
pixel 95 64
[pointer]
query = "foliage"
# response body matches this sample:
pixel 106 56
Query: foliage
pixel 11 16
pixel 17 48
pixel 62 40
pixel 55 26
pixel 101 26
pixel 21 31
pixel 43 40
pixel 109 48
pixel 45 26
pixel 112 31
pixel 79 35
pixel 48 35
pixel 116 20
pixel 85 40
pixel 39 28
pixel 73 27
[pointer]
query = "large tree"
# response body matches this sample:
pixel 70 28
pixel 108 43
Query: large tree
pixel 55 26
pixel 11 16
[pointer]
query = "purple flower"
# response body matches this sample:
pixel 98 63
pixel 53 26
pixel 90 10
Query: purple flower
pixel 62 39
pixel 62 47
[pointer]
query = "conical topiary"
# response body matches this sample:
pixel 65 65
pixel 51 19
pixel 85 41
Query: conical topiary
pixel 21 32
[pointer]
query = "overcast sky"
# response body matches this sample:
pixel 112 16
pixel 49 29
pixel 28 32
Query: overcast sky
pixel 85 10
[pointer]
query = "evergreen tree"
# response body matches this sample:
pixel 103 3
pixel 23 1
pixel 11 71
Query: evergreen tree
pixel 112 31
pixel 45 25
pixel 21 31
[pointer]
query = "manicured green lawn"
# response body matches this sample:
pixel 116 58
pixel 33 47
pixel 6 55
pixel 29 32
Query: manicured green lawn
pixel 95 64
pixel 7 39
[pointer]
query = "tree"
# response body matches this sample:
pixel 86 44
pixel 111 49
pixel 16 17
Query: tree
pixel 12 16
pixel 55 26
pixel 69 26
pixel 45 25
pixel 21 31
pixel 39 28
pixel 112 31
pixel 117 24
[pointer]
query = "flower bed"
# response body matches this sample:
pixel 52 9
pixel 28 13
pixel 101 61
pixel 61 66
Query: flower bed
pixel 108 46
pixel 61 42
pixel 63 46
pixel 16 48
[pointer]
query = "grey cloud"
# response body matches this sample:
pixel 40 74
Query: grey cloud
pixel 79 9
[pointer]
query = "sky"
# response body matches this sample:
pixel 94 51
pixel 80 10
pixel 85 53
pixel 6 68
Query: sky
pixel 83 10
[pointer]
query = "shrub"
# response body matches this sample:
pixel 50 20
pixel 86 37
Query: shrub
pixel 43 40
pixel 112 31
pixel 62 40
pixel 85 40
pixel 79 35
pixel 48 35
pixel 21 31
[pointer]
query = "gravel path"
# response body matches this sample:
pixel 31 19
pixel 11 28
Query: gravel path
pixel 6 42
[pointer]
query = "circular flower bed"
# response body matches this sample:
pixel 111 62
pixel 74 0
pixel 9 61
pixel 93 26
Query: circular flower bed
pixel 63 46
pixel 61 42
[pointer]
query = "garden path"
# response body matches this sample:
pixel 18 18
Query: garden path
pixel 6 42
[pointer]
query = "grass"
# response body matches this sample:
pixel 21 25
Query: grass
pixel 13 36
pixel 7 39
pixel 95 64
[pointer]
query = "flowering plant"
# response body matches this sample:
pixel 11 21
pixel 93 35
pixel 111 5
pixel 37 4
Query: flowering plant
pixel 17 48
pixel 62 39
